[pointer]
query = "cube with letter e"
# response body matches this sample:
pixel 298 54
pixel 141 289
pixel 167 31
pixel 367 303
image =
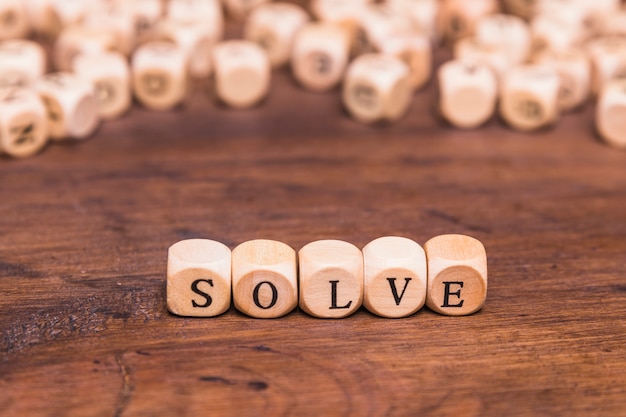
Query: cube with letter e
pixel 457 275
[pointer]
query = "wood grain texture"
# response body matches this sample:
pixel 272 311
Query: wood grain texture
pixel 85 227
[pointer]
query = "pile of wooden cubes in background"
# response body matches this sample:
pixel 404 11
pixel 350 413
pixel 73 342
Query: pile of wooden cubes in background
pixel 542 58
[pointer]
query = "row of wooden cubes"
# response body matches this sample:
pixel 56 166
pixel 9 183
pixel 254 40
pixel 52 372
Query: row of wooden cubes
pixel 392 277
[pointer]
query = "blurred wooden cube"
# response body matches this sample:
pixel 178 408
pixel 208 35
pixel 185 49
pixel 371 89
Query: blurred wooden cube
pixel 529 97
pixel 611 113
pixel 471 50
pixel 196 40
pixel 574 70
pixel 23 122
pixel 457 18
pixel 608 60
pixel 159 75
pixel 70 105
pixel 508 33
pixel 75 40
pixel 416 51
pixel 13 20
pixel 22 63
pixel 468 93
pixel 242 73
pixel 320 55
pixel 273 26
pixel 377 87
pixel 109 74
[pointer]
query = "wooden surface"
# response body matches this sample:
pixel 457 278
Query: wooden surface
pixel 85 227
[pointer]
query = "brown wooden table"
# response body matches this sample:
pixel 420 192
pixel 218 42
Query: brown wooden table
pixel 85 227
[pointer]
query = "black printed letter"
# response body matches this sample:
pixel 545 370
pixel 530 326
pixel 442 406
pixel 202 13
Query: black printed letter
pixel 194 288
pixel 447 294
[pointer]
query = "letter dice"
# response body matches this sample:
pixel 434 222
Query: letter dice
pixel 467 93
pixel 265 279
pixel 574 72
pixel 457 18
pixel 395 276
pixel 416 51
pixel 608 60
pixel 242 73
pixel 611 113
pixel 457 275
pixel 159 75
pixel 70 103
pixel 110 76
pixel 275 39
pixel 22 62
pixel 331 278
pixel 76 40
pixel 196 40
pixel 198 278
pixel 529 97
pixel 377 87
pixel 510 34
pixel 320 55
pixel 13 20
pixel 23 123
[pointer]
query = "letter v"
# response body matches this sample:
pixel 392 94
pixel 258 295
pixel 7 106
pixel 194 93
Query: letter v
pixel 394 290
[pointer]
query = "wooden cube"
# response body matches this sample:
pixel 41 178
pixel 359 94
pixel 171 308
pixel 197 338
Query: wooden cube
pixel 276 39
pixel 198 278
pixel 381 22
pixel 526 9
pixel 614 24
pixel 348 15
pixel 76 40
pixel 23 123
pixel 608 60
pixel 110 76
pixel 394 276
pixel 70 12
pixel 422 13
pixel 196 40
pixel 207 13
pixel 470 50
pixel 242 73
pixel 23 62
pixel 159 75
pixel 145 15
pixel 240 9
pixel 550 34
pixel 574 72
pixel 320 55
pixel 265 279
pixel 377 87
pixel 118 24
pixel 457 275
pixel 468 93
pixel 70 104
pixel 457 18
pixel 13 20
pixel 529 97
pixel 331 278
pixel 337 11
pixel 507 33
pixel 42 18
pixel 611 113
pixel 416 51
